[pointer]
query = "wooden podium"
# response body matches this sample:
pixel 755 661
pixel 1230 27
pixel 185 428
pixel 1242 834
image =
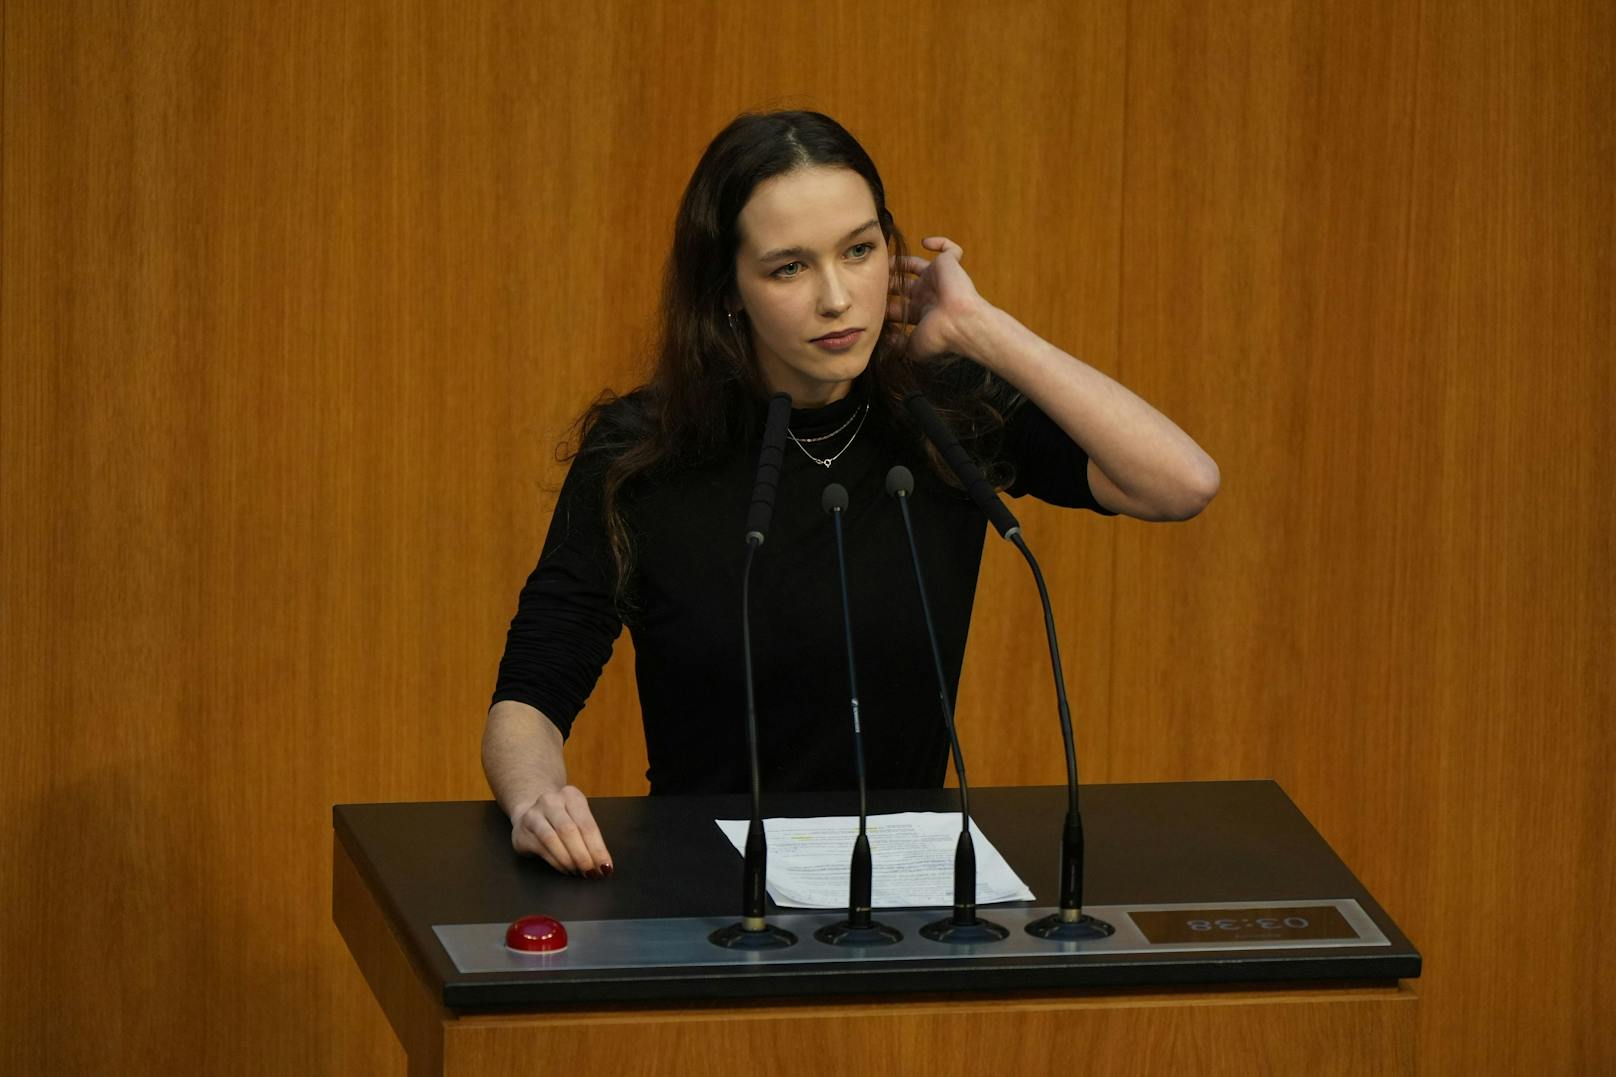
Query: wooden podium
pixel 405 876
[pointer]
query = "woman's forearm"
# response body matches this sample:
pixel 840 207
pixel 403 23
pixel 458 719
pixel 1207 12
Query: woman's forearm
pixel 522 755
pixel 1147 466
pixel 549 818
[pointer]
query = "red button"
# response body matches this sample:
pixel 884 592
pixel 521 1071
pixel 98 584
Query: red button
pixel 536 935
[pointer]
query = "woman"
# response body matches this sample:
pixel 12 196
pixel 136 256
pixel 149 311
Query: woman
pixel 788 274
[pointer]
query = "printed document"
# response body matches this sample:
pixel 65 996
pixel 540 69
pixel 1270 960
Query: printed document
pixel 913 855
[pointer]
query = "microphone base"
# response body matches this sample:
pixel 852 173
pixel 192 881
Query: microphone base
pixel 1057 929
pixel 975 930
pixel 738 936
pixel 847 933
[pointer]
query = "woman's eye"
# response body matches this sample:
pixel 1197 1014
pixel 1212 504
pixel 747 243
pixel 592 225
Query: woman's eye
pixel 859 250
pixel 793 267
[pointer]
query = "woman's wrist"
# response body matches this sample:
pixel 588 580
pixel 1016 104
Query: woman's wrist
pixel 993 339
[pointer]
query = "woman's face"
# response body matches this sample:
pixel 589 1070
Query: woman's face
pixel 812 274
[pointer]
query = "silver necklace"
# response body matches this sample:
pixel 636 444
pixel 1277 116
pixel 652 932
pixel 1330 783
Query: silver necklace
pixel 802 443
pixel 845 424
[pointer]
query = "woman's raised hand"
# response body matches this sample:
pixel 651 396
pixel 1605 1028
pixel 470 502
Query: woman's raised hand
pixel 935 297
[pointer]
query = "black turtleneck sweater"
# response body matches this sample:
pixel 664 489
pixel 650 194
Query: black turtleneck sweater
pixel 689 530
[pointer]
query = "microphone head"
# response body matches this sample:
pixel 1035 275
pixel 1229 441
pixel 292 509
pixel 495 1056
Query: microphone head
pixel 918 407
pixel 834 499
pixel 768 469
pixel 779 407
pixel 972 481
pixel 900 481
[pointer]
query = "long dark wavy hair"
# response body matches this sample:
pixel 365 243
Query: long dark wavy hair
pixel 706 392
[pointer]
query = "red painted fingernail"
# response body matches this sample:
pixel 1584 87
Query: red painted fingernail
pixel 605 871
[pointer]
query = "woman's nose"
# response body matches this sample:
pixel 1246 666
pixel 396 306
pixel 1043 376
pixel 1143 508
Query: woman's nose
pixel 834 298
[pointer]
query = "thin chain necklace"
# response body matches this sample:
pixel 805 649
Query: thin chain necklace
pixel 826 437
pixel 802 443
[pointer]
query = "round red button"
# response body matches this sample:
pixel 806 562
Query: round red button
pixel 536 935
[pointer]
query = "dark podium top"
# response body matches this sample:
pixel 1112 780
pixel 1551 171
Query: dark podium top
pixel 1230 846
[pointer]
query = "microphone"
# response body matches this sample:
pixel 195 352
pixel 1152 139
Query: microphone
pixel 753 931
pixel 976 484
pixel 859 929
pixel 1070 923
pixel 964 926
pixel 768 468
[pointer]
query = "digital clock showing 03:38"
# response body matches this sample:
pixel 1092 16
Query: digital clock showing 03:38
pixel 1215 927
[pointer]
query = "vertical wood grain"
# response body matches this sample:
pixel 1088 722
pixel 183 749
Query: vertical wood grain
pixel 297 299
pixel 1379 239
pixel 1513 224
pixel 1368 1031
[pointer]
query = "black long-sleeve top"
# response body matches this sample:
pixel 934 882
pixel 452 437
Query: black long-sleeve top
pixel 688 531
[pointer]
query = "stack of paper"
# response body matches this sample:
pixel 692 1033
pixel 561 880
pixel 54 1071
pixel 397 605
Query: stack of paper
pixel 913 854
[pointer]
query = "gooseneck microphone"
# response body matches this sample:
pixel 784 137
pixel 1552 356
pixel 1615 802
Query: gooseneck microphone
pixel 970 476
pixel 964 926
pixel 859 929
pixel 767 480
pixel 754 932
pixel 1070 923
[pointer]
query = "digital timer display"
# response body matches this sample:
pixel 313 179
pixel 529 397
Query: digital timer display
pixel 1162 927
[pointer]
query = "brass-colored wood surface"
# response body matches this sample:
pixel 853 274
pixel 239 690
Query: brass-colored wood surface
pixel 297 299
pixel 1368 250
pixel 414 1013
pixel 1347 1032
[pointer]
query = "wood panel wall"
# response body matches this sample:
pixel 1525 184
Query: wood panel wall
pixel 297 299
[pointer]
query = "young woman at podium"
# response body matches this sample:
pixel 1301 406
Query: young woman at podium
pixel 788 274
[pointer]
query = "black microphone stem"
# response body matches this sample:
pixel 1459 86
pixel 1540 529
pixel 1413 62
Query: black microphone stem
pixel 1055 661
pixel 860 927
pixel 1070 923
pixel 756 872
pixel 861 875
pixel 964 926
pixel 852 674
pixel 942 679
pixel 753 931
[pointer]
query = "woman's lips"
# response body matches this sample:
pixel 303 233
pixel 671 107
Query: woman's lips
pixel 838 342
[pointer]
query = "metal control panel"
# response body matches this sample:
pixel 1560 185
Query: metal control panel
pixel 1140 929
